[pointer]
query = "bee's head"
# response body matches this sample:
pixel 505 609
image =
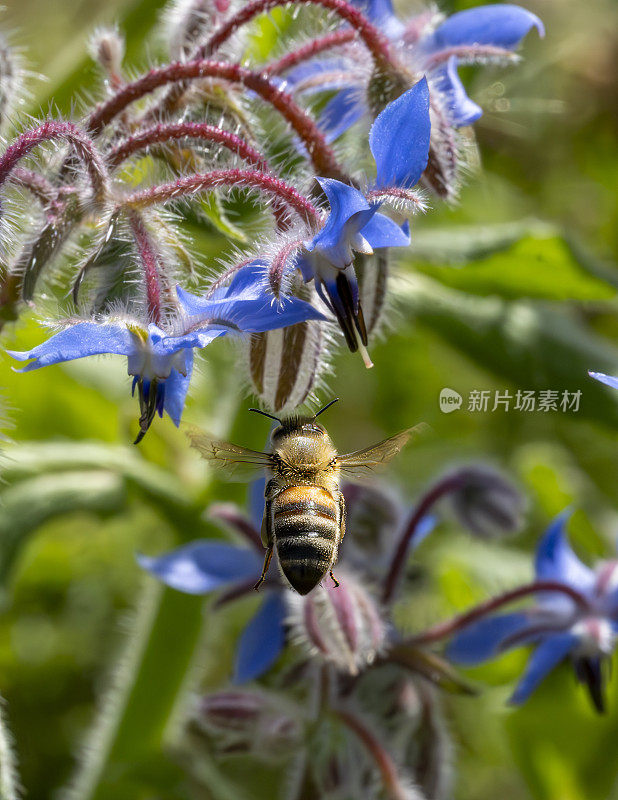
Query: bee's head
pixel 295 426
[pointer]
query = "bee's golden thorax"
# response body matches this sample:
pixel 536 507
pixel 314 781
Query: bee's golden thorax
pixel 305 453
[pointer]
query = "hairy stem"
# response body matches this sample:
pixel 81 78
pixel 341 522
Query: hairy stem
pixel 229 514
pixel 398 560
pixel 234 178
pixel 151 266
pixel 303 125
pixel 278 267
pixel 376 43
pixel 388 769
pixel 445 629
pixel 66 131
pixel 469 53
pixel 160 134
pixel 35 183
pixel 310 49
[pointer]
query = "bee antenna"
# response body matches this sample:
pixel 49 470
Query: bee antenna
pixel 265 414
pixel 323 409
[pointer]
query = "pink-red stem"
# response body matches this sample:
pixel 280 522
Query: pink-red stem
pixel 398 561
pixel 51 131
pixel 36 184
pixel 309 50
pixel 164 133
pixel 304 126
pixel 376 42
pixel 448 628
pixel 160 134
pixel 233 178
pixel 150 265
pixel 387 767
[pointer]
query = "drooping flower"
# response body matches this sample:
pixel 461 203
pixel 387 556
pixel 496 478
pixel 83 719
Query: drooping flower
pixel 399 142
pixel 557 626
pixel 161 360
pixel 423 45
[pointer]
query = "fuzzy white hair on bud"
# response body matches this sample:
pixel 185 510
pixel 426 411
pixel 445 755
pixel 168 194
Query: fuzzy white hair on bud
pixel 341 625
pixel 107 48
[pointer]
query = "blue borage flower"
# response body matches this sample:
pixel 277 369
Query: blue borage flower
pixel 424 45
pixel 555 625
pixel 608 380
pixel 161 359
pixel 399 142
pixel 206 566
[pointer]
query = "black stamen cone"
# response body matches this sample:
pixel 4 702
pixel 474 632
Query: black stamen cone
pixel 147 407
pixel 348 315
pixel 590 672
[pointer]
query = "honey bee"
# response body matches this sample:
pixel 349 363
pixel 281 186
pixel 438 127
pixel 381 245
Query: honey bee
pixel 304 513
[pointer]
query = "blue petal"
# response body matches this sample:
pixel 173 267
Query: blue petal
pixel 500 25
pixel 399 139
pixel 176 388
pixel 426 526
pixel 249 281
pixel 262 640
pixel 481 641
pixel 246 304
pixel 381 13
pixel 382 231
pixel 556 561
pixel 546 656
pixel 198 338
pixel 256 501
pixel 341 112
pixel 270 315
pixel 78 341
pixel 349 212
pixel 319 75
pixel 203 566
pixel 460 109
pixel 608 380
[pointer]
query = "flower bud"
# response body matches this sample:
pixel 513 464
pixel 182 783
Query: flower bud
pixel 485 502
pixel 372 274
pixel 286 364
pixel 11 80
pixel 374 513
pixel 107 49
pixel 250 722
pixel 339 624
pixel 440 175
pixel 189 21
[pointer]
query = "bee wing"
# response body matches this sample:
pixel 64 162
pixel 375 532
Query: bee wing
pixel 240 463
pixel 374 458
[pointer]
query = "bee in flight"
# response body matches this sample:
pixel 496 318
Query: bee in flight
pixel 304 513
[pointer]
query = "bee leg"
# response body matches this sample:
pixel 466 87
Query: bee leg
pixel 267 540
pixel 342 515
pixel 335 581
pixel 269 555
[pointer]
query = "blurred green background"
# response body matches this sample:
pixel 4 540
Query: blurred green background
pixel 513 288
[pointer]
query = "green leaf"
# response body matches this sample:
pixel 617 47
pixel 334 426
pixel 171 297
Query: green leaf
pixel 128 737
pixel 29 503
pixel 497 261
pixel 212 207
pixel 532 345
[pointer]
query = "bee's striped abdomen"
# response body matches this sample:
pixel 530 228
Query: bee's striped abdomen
pixel 306 530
